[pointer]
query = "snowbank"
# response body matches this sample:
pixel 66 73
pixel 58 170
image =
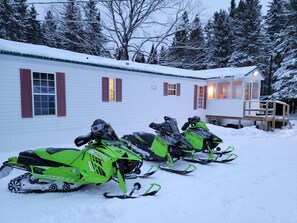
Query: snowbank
pixel 258 187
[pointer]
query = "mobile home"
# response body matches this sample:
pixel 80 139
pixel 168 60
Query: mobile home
pixel 50 95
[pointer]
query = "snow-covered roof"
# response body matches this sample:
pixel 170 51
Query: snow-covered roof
pixel 44 52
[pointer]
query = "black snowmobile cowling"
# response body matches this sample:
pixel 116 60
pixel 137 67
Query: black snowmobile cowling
pixel 198 135
pixel 167 144
pixel 195 124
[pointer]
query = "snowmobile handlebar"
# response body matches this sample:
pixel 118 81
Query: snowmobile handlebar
pixel 83 139
pixel 194 119
pixel 185 126
pixel 155 126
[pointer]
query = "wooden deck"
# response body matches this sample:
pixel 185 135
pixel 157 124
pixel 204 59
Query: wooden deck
pixel 265 114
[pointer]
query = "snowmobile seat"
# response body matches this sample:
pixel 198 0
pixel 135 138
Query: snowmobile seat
pixel 53 150
pixel 147 137
pixel 28 158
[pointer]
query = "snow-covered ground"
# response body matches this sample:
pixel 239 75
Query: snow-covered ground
pixel 259 187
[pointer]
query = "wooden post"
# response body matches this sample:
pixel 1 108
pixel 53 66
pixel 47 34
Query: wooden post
pixel 273 118
pixel 284 111
pixel 250 107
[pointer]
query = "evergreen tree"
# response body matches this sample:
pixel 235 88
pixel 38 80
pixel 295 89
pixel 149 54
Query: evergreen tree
pixel 20 20
pixel 140 57
pixel 163 57
pixel 34 33
pixel 94 39
pixel 221 40
pixel 152 59
pixel 71 28
pixel 180 42
pixel 231 24
pixel 286 76
pixel 6 22
pixel 232 8
pixel 209 48
pixel 49 29
pixel 248 35
pixel 196 53
pixel 275 22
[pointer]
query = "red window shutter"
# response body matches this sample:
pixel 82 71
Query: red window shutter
pixel 118 90
pixel 178 89
pixel 26 93
pixel 61 94
pixel 165 91
pixel 105 89
pixel 195 97
pixel 205 97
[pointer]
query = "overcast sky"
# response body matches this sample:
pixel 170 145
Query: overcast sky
pixel 215 5
pixel 210 6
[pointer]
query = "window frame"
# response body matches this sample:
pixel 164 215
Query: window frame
pixel 117 90
pixel 112 91
pixel 224 90
pixel 211 94
pixel 51 94
pixel 235 90
pixel 172 89
pixel 200 97
pixel 255 91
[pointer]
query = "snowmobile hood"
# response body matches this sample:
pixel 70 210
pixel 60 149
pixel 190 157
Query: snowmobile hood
pixel 117 150
pixel 200 125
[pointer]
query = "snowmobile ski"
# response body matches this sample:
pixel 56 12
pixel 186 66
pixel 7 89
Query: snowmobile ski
pixel 188 170
pixel 224 159
pixel 5 171
pixel 197 160
pixel 151 191
pixel 153 169
pixel 219 152
pixel 216 158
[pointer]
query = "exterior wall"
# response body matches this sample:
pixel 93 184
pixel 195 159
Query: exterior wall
pixel 142 103
pixel 233 107
pixel 225 107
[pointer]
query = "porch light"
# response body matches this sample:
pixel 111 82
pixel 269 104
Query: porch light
pixel 256 73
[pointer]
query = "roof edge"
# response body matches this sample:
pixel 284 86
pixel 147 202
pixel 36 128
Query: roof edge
pixel 4 52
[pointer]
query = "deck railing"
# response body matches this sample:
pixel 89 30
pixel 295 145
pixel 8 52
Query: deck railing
pixel 268 112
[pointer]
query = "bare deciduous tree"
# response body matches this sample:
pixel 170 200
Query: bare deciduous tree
pixel 135 22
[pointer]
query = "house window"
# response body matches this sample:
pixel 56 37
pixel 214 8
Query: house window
pixel 255 90
pixel 44 94
pixel 211 90
pixel 111 89
pixel 247 91
pixel 200 96
pixel 224 90
pixel 171 89
pixel 237 89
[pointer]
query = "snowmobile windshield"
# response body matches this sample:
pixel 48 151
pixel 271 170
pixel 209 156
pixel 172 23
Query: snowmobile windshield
pixel 171 126
pixel 103 131
pixel 98 127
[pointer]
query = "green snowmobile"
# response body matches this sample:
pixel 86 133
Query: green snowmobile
pixel 105 158
pixel 199 136
pixel 168 145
